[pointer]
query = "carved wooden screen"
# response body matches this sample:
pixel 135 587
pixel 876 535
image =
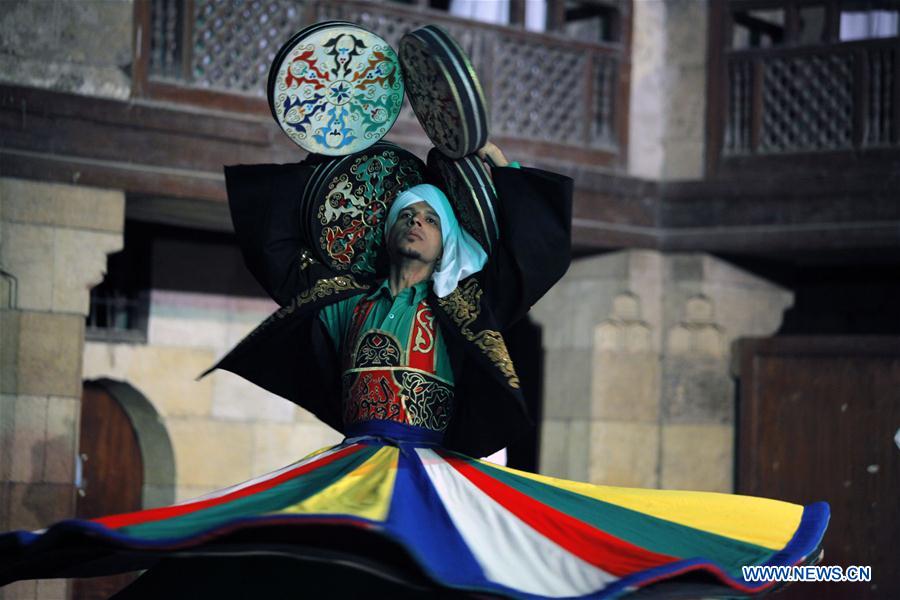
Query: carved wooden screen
pixel 783 81
pixel 540 87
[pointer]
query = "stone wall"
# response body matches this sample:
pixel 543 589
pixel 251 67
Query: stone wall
pixel 83 47
pixel 637 385
pixel 223 429
pixel 54 240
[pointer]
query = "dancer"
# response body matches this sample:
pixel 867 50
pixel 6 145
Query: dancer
pixel 414 371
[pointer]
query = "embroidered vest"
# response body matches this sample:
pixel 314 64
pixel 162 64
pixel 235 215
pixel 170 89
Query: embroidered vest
pixel 382 380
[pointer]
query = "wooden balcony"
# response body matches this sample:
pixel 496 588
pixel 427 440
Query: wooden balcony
pixel 824 104
pixel 548 96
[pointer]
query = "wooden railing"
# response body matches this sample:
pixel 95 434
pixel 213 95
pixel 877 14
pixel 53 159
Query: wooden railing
pixel 819 100
pixel 836 97
pixel 543 89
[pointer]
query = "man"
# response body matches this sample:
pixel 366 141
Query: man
pixel 295 353
pixel 395 363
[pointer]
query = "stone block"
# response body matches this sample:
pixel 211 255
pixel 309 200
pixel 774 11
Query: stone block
pixel 278 445
pixel 87 80
pixel 195 333
pixel 55 45
pixel 552 313
pixel 153 496
pixel 210 453
pixel 239 326
pixel 184 493
pixel 627 337
pixel 698 457
pixel 579 446
pixel 61 205
pixel 35 505
pixel 165 375
pixel 309 437
pixel 745 311
pixel 8 443
pixel 66 32
pixel 608 266
pixel 592 303
pixel 47 356
pixel 27 252
pixel 567 384
pixel 63 416
pixel 697 340
pixel 20 590
pixel 625 387
pixel 52 589
pixel 564 448
pixel 685 159
pixel 686 119
pixel 624 454
pixel 697 390
pixel 79 264
pixel 686 25
pixel 271 447
pixel 23 432
pixel 235 398
pixel 7 289
pixel 9 351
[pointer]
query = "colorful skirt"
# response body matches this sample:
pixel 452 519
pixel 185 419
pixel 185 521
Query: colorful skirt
pixel 411 511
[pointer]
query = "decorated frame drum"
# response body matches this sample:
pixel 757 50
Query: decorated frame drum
pixel 444 91
pixel 347 200
pixel 470 189
pixel 335 88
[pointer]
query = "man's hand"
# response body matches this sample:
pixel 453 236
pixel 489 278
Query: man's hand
pixel 493 155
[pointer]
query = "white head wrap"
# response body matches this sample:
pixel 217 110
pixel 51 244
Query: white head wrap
pixel 462 255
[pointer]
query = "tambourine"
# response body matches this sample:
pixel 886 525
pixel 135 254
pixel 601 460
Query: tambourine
pixel 335 88
pixel 347 200
pixel 444 91
pixel 468 185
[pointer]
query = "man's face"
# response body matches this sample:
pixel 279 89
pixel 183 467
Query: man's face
pixel 417 234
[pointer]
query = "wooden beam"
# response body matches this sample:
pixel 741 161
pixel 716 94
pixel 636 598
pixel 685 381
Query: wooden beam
pixel 160 154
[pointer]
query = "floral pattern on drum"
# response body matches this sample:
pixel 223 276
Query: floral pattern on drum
pixel 338 89
pixel 352 201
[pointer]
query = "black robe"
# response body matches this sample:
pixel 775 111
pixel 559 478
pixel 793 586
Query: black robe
pixel 291 355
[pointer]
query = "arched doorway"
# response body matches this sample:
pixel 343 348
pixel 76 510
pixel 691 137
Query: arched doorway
pixel 125 464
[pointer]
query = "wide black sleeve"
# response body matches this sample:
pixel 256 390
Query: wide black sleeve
pixel 534 208
pixel 264 202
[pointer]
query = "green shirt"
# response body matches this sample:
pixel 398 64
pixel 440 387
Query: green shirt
pixel 393 315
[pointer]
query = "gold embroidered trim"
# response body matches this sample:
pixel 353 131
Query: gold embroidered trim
pixel 462 304
pixel 321 289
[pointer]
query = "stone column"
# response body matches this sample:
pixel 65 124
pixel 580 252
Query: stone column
pixel 668 89
pixel 54 240
pixel 637 382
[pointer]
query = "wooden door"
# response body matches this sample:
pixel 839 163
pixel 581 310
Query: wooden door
pixel 817 420
pixel 112 474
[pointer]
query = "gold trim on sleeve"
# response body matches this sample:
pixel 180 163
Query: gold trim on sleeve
pixel 463 307
pixel 321 289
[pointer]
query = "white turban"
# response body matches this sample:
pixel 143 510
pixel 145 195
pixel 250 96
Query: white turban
pixel 462 255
